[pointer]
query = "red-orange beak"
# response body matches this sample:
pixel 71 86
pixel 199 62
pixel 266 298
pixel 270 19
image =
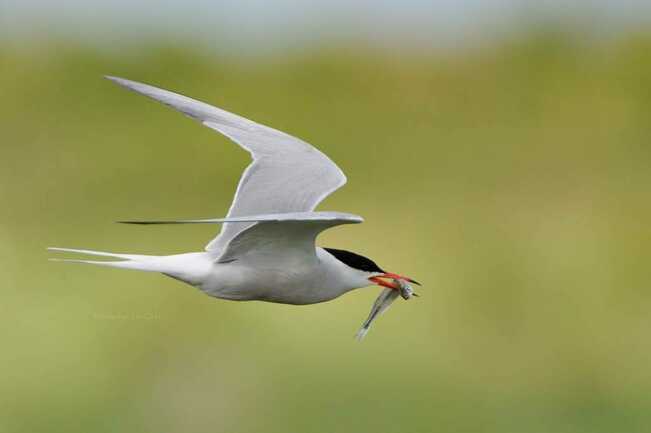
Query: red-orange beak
pixel 390 284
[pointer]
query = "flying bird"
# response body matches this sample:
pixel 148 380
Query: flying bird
pixel 266 248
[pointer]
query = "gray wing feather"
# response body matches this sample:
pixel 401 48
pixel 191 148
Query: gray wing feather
pixel 286 175
pixel 283 237
pixel 290 216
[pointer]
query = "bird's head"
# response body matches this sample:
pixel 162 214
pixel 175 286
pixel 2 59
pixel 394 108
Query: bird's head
pixel 371 271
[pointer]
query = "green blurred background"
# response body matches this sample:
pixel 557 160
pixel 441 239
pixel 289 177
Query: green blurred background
pixel 510 175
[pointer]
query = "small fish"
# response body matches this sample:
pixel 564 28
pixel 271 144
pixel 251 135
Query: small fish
pixel 383 302
pixel 405 289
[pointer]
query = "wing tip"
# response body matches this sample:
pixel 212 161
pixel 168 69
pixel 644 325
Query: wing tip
pixel 134 86
pixel 155 222
pixel 349 217
pixel 121 81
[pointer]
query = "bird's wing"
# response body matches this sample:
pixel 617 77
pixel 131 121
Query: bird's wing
pixel 282 237
pixel 273 237
pixel 286 175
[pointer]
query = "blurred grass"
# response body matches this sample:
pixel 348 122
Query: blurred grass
pixel 512 179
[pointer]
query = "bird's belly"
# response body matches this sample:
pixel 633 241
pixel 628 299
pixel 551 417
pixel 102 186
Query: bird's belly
pixel 243 283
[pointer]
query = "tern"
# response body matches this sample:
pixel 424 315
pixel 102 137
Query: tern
pixel 266 248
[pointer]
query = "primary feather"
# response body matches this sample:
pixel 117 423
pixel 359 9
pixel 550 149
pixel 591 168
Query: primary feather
pixel 286 175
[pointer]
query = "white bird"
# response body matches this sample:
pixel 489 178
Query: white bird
pixel 266 249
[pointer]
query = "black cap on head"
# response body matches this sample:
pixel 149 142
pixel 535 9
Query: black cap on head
pixel 355 261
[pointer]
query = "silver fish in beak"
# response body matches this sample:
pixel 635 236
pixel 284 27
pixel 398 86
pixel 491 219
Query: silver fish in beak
pixel 383 302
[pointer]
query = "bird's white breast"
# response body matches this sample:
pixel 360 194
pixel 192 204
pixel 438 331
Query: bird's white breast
pixel 308 281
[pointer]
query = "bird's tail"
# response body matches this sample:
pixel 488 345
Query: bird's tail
pixel 127 261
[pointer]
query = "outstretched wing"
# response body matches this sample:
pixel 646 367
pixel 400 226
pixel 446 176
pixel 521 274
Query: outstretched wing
pixel 286 175
pixel 275 236
pixel 283 237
